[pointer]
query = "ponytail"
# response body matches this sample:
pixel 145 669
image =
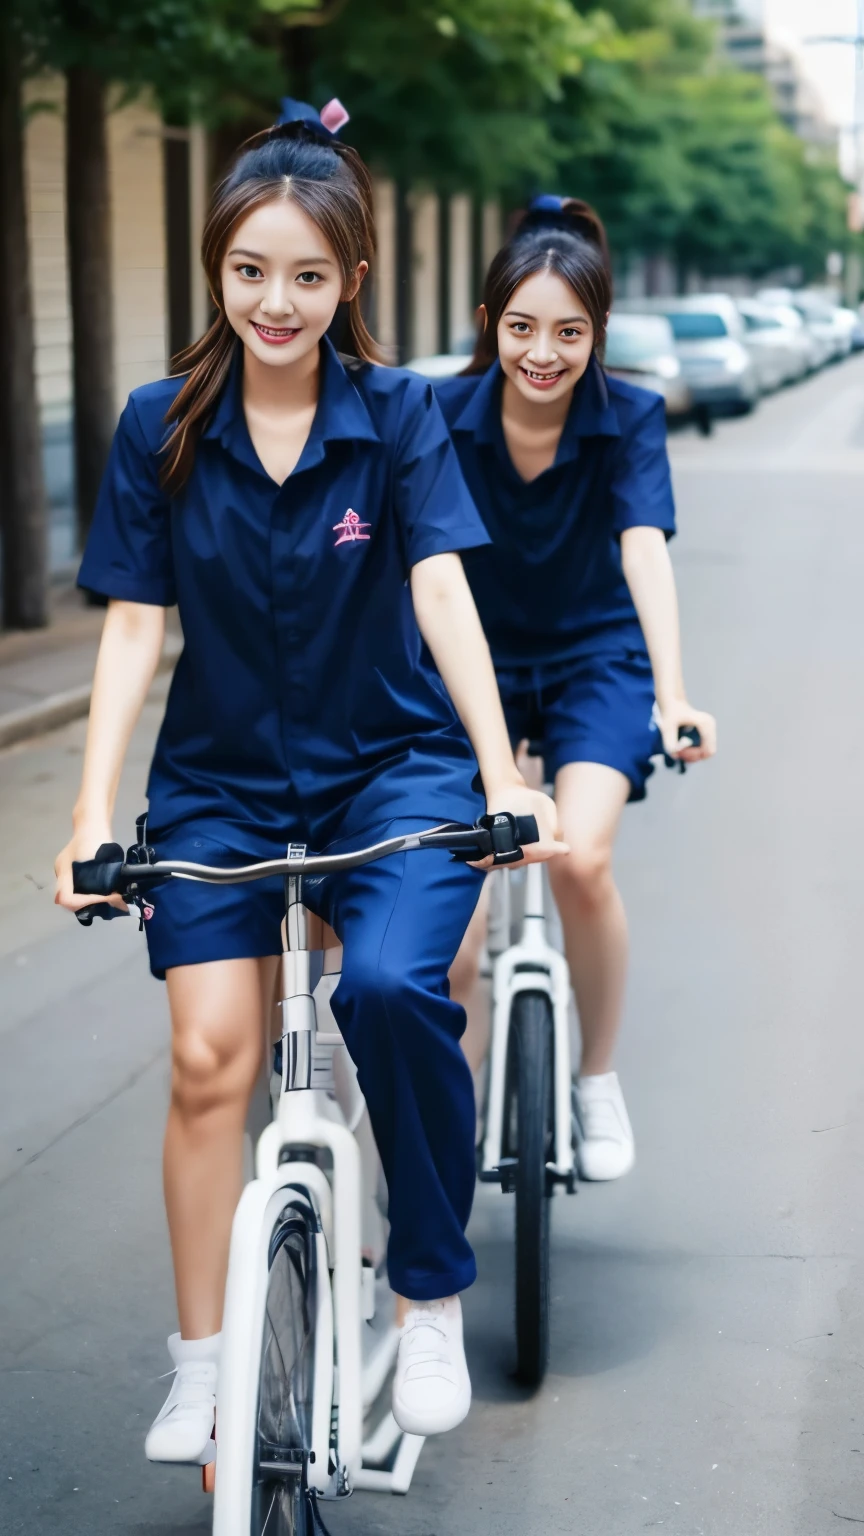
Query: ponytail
pixel 563 235
pixel 299 158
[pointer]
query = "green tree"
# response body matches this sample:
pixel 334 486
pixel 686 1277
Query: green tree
pixel 687 156
pixel 455 95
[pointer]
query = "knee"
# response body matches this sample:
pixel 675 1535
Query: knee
pixel 584 875
pixel 211 1069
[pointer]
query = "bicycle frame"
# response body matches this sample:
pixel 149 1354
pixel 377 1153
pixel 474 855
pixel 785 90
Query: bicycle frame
pixel 529 965
pixel 309 1117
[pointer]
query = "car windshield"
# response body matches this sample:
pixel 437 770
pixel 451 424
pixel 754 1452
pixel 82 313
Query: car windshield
pixel 696 325
pixel 633 339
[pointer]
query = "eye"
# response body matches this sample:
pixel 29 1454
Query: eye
pixel 570 333
pixel 247 269
pixel 521 327
pixel 309 279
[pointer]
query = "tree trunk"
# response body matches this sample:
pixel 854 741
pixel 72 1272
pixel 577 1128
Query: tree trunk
pixel 22 488
pixel 88 216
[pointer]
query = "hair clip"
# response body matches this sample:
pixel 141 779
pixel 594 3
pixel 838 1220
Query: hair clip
pixel 324 124
pixel 546 202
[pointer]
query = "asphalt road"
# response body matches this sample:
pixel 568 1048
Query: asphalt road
pixel 707 1358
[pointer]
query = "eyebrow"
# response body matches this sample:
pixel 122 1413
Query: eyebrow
pixel 305 261
pixel 521 315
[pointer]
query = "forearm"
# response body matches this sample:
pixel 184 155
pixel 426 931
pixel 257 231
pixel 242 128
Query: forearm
pixel 448 622
pixel 129 652
pixel 651 580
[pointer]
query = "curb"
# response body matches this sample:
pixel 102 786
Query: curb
pixel 59 708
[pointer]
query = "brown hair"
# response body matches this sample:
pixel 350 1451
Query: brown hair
pixel 560 235
pixel 331 184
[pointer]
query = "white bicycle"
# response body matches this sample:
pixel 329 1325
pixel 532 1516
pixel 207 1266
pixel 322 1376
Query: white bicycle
pixel 308 1335
pixel 529 1125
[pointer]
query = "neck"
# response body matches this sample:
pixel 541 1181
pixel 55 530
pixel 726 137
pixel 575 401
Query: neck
pixel 540 416
pixel 291 388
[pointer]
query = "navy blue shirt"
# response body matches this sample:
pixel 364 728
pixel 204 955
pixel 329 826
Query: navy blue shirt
pixel 551 589
pixel 303 690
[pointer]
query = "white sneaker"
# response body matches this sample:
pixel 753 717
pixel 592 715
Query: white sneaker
pixel 601 1126
pixel 183 1431
pixel 431 1388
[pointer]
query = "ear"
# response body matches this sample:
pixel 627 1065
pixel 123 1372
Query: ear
pixel 481 316
pixel 355 284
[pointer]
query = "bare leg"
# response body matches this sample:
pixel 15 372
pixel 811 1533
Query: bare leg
pixel 468 988
pixel 219 1012
pixel 590 798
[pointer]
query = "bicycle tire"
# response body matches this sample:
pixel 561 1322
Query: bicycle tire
pixel 529 1131
pixel 280 1502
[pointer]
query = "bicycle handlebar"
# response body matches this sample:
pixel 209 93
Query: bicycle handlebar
pixel 111 873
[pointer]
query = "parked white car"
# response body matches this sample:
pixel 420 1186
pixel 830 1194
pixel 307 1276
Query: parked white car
pixel 776 339
pixel 710 341
pixel 817 314
pixel 763 338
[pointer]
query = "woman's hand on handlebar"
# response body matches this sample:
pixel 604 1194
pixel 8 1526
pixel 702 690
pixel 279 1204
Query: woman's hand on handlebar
pixel 517 798
pixel 82 845
pixel 675 717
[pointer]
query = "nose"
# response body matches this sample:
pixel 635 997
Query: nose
pixel 543 351
pixel 275 300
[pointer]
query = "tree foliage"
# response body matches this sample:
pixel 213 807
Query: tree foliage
pixel 628 103
pixel 686 156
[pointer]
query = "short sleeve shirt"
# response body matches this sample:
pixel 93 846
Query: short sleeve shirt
pixel 551 589
pixel 304 689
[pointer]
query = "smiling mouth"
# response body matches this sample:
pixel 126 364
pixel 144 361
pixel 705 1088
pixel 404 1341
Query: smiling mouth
pixel 542 378
pixel 276 335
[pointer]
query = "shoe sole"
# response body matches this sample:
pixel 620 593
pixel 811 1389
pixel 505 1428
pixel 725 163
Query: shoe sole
pixel 429 1424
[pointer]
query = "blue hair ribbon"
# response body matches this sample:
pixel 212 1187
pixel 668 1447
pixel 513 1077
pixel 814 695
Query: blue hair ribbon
pixel 324 124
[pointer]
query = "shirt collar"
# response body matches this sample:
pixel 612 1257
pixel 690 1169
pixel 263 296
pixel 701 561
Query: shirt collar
pixel 341 414
pixel 591 413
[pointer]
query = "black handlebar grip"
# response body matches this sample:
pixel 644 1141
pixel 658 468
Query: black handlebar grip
pixel 526 830
pixel 99 876
pixel 690 734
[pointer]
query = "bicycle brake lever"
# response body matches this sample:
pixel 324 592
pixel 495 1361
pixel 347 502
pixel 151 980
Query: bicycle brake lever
pixel 103 909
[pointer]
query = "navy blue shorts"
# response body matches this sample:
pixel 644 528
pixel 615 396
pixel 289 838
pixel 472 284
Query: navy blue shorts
pixel 597 710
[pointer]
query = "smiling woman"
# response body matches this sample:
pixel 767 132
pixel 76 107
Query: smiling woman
pixel 306 512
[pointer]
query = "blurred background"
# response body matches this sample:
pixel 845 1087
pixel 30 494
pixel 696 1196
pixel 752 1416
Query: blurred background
pixel 720 140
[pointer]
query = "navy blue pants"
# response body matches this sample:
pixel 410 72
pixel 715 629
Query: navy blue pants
pixel 401 922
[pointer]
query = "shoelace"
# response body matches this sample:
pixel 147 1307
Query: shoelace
pixel 600 1120
pixel 194 1386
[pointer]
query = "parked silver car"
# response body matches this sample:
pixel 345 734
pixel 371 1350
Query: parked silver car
pixel 807 351
pixel 709 339
pixel 816 314
pixel 641 349
pixel 773 344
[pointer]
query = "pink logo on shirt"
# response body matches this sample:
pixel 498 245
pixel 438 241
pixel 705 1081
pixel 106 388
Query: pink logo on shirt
pixel 350 530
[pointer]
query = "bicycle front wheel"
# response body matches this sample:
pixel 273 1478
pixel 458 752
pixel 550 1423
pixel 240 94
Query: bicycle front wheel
pixel 280 1504
pixel 529 1140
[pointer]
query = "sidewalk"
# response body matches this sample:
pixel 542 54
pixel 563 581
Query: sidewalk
pixel 46 674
